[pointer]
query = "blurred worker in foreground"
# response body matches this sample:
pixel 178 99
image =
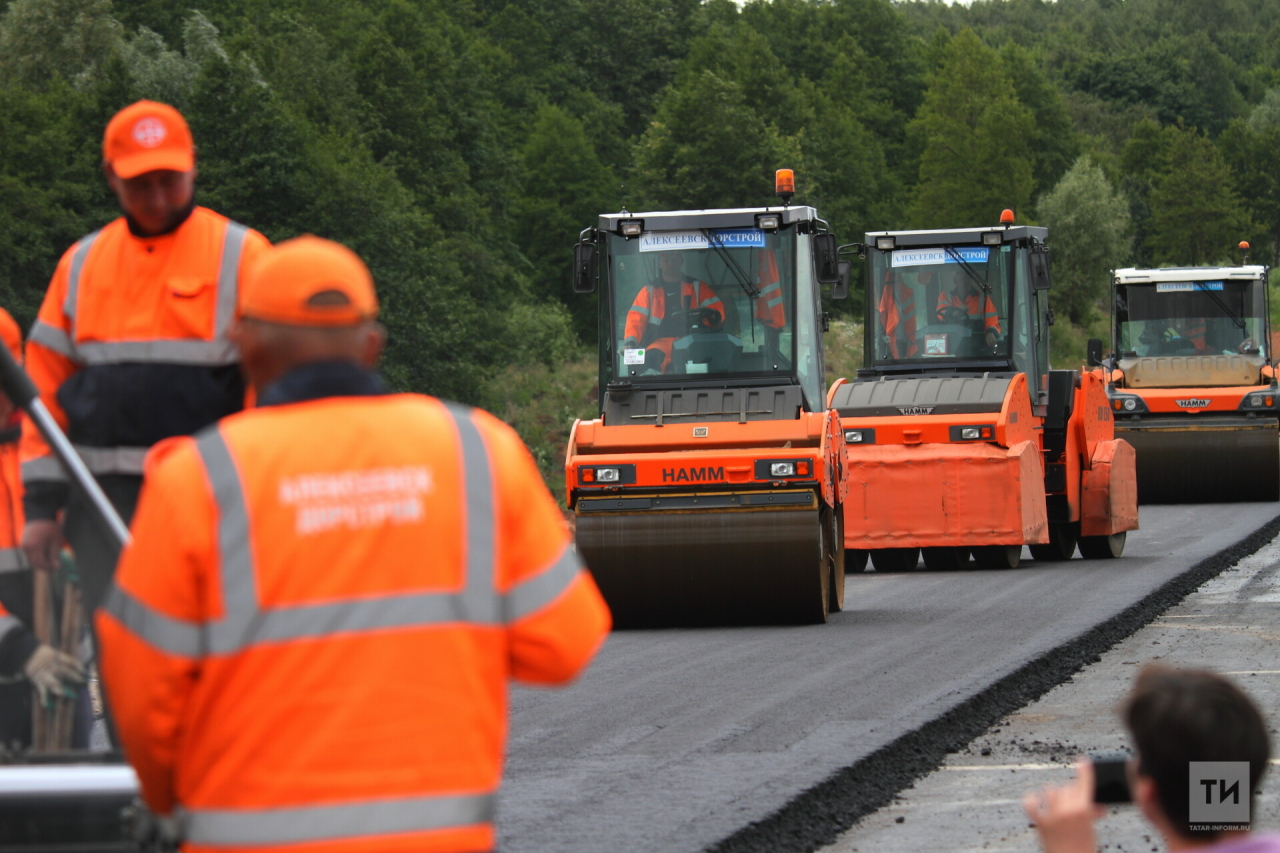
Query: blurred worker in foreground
pixel 310 637
pixel 25 662
pixel 667 309
pixel 1174 717
pixel 966 302
pixel 130 345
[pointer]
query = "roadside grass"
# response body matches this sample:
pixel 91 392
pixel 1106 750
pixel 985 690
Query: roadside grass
pixel 1068 342
pixel 541 404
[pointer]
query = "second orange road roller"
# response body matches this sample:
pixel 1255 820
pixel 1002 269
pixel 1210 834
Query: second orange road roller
pixel 708 490
pixel 961 442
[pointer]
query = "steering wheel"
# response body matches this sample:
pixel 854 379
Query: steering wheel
pixel 953 314
pixel 703 320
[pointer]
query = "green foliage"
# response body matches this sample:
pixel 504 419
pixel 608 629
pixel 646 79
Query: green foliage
pixel 977 156
pixel 707 147
pixel 1088 224
pixel 45 40
pixel 565 187
pixel 1196 216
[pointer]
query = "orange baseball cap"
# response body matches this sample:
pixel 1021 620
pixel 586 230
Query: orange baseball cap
pixel 309 281
pixel 147 137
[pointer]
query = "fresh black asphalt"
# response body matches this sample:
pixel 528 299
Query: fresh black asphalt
pixel 777 738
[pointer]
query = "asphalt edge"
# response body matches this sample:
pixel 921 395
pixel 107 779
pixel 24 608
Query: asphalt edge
pixel 816 817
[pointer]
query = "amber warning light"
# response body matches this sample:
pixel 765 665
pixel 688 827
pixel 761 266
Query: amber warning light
pixel 785 184
pixel 1006 217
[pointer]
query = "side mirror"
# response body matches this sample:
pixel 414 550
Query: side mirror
pixel 584 268
pixel 1093 352
pixel 840 290
pixel 1040 268
pixel 826 256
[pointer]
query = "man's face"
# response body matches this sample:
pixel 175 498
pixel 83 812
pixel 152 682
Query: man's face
pixel 154 200
pixel 962 283
pixel 671 266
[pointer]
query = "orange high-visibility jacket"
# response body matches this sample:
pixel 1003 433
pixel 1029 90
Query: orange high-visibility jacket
pixel 310 638
pixel 130 345
pixel 897 310
pixel 650 307
pixel 976 307
pixel 11 518
pixel 769 307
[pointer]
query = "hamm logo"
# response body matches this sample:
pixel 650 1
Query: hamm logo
pixel 1193 403
pixel 915 410
pixel 692 475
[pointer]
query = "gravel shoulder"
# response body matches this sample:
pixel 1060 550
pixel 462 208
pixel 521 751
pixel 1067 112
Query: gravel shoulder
pixel 1230 624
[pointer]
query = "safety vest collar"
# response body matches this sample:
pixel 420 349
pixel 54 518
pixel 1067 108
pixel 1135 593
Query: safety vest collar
pixel 322 379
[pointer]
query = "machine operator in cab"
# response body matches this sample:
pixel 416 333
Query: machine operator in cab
pixel 668 308
pixel 965 302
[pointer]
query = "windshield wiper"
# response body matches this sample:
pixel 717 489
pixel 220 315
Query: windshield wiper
pixel 739 273
pixel 964 265
pixel 1225 310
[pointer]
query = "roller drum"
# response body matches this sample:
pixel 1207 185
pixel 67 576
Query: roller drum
pixel 1206 463
pixel 707 567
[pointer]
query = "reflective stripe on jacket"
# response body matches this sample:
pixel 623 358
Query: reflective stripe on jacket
pixel 130 345
pixel 310 637
pixel 769 307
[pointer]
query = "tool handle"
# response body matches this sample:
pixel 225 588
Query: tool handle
pixel 22 391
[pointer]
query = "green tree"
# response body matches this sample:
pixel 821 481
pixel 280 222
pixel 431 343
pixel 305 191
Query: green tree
pixel 45 40
pixel 1252 153
pixel 707 147
pixel 1196 215
pixel 1054 146
pixel 565 188
pixel 977 136
pixel 1088 224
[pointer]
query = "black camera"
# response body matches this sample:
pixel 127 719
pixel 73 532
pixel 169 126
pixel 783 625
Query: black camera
pixel 1110 781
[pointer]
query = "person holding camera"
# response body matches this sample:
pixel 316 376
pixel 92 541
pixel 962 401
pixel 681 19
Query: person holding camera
pixel 1174 717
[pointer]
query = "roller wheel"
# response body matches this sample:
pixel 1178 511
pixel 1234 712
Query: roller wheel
pixel 998 556
pixel 1102 547
pixel 945 559
pixel 855 561
pixel 1062 544
pixel 895 559
pixel 835 550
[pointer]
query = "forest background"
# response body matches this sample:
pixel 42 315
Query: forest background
pixel 460 145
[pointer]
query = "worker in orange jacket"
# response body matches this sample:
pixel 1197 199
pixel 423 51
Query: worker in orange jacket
pixel 654 326
pixel 896 309
pixel 130 345
pixel 965 301
pixel 25 662
pixel 310 636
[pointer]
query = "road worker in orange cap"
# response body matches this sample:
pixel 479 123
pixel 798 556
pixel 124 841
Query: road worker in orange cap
pixel 309 639
pixel 131 344
pixel 25 662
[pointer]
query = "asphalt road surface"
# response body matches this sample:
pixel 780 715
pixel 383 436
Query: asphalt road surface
pixel 779 738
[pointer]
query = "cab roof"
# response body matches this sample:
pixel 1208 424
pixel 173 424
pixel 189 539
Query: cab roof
pixel 958 235
pixel 1131 275
pixel 681 220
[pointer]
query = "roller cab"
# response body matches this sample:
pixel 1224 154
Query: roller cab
pixel 961 442
pixel 708 490
pixel 1191 384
